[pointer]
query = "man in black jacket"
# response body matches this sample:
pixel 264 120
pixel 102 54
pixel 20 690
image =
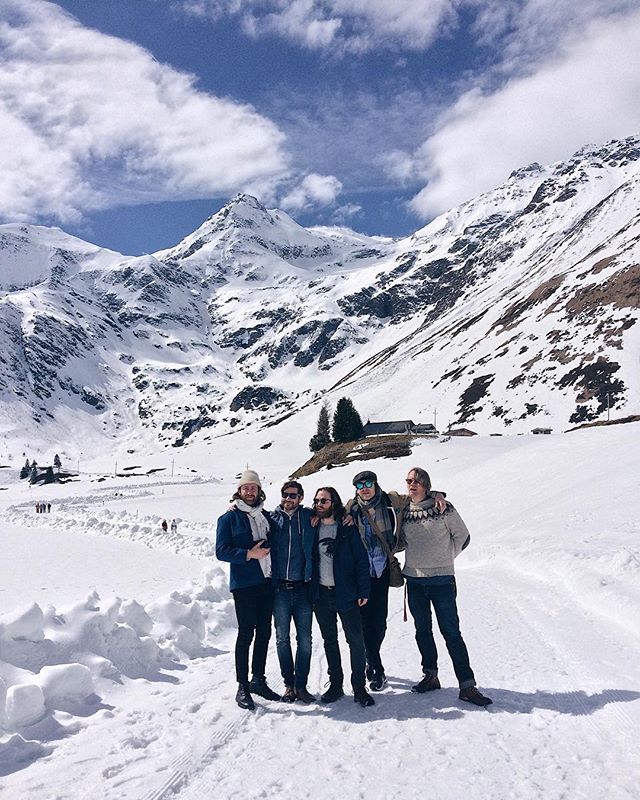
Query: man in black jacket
pixel 342 588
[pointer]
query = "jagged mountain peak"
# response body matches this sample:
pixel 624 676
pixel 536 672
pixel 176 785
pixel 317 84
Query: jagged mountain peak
pixel 515 308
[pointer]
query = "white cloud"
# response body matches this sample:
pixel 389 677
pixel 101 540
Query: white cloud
pixel 89 121
pixel 588 93
pixel 313 190
pixel 348 25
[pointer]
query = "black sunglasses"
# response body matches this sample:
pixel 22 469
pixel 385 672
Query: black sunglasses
pixel 364 484
pixel 290 495
pixel 321 501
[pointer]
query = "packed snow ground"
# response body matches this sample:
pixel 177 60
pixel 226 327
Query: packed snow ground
pixel 116 639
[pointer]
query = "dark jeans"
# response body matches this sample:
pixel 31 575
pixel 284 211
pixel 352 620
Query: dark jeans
pixel 254 606
pixel 374 621
pixel 293 604
pixel 421 597
pixel 327 616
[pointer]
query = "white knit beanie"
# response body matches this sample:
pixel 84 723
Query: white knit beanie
pixel 249 476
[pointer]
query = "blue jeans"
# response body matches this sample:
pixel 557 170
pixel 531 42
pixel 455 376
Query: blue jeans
pixel 442 596
pixel 293 604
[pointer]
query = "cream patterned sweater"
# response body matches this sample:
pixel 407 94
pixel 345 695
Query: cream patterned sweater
pixel 431 540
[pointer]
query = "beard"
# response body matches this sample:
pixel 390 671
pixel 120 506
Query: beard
pixel 324 512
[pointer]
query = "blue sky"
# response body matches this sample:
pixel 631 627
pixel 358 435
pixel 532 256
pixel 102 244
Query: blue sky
pixel 128 122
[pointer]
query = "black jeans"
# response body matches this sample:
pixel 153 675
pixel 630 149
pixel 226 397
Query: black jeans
pixel 254 606
pixel 327 616
pixel 374 621
pixel 421 597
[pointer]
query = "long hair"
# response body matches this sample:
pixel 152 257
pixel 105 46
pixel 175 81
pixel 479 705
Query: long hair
pixel 336 503
pixel 422 476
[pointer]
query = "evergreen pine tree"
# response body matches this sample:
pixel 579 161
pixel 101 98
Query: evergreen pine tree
pixel 57 463
pixel 24 472
pixel 322 435
pixel 33 477
pixel 347 425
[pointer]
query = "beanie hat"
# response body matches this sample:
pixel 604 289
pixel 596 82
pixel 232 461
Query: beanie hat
pixel 367 475
pixel 249 476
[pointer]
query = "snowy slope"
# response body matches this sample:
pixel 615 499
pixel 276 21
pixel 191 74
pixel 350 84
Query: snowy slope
pixel 514 310
pixel 136 698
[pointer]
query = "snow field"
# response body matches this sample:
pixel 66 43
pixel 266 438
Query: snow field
pixel 548 598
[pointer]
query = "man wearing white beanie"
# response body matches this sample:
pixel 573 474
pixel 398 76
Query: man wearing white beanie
pixel 242 539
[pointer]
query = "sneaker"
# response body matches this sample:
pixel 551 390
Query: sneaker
pixel 333 693
pixel 472 695
pixel 304 695
pixel 362 696
pixel 369 672
pixel 428 684
pixel 243 698
pixel 378 682
pixel 289 695
pixel 260 687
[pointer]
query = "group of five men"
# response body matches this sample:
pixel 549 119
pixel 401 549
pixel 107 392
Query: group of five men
pixel 338 562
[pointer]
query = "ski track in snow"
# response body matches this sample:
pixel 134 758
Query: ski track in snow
pixel 563 684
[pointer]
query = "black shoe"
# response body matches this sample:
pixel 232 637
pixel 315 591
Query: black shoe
pixel 243 698
pixel 378 682
pixel 289 695
pixel 259 686
pixel 333 693
pixel 304 695
pixel 369 672
pixel 472 695
pixel 362 696
pixel 428 684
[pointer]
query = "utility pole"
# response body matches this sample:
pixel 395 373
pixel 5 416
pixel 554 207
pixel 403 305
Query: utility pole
pixel 608 408
pixel 435 419
pixel 115 470
pixel 172 463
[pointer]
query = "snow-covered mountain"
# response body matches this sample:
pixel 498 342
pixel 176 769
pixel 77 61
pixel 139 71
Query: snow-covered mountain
pixel 516 309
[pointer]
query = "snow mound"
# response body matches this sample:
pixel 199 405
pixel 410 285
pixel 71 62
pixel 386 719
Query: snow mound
pixel 61 659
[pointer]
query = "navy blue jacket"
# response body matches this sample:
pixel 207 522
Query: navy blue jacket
pixel 281 528
pixel 233 539
pixel 350 567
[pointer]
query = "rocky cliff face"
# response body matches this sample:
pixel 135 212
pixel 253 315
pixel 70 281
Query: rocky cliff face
pixel 517 308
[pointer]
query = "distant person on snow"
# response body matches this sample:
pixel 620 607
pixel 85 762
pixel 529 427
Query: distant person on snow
pixel 242 539
pixel 48 508
pixel 164 526
pixel 174 526
pixel 431 540
pixel 378 515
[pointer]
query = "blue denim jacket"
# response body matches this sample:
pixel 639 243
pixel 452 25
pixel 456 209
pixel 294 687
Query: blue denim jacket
pixel 292 551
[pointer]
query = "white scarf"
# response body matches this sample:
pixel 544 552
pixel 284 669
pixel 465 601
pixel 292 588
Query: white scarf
pixel 259 530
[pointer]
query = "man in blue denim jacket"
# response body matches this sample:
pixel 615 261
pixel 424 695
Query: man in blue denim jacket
pixel 293 542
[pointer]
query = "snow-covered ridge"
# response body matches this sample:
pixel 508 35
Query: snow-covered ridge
pixel 515 310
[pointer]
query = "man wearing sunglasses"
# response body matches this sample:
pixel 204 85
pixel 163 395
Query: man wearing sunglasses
pixel 432 539
pixel 341 579
pixel 378 516
pixel 292 546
